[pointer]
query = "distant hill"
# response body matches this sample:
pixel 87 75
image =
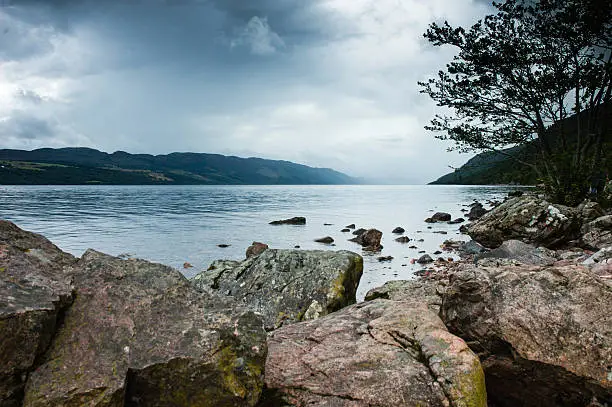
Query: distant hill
pixel 70 166
pixel 490 168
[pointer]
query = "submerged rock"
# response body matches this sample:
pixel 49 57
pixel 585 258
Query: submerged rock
pixel 297 220
pixel 283 285
pixel 544 334
pixel 326 240
pixel 35 290
pixel 377 353
pixel 529 219
pixel 138 333
pixel 403 239
pixel 370 240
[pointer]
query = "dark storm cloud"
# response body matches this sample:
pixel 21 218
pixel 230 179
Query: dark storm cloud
pixel 324 82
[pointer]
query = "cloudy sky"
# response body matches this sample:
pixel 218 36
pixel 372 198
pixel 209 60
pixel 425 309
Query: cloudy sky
pixel 327 83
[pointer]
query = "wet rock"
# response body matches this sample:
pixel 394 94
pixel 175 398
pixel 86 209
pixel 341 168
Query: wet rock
pixel 328 224
pixel 187 265
pixel 35 290
pixel 223 245
pixel 370 240
pixel 456 221
pixel 597 233
pixel 138 333
pixel 377 353
pixel 464 228
pixel 544 334
pixel 255 249
pixel 399 230
pixel 282 285
pixel 430 220
pixel 530 219
pixel 437 252
pixel 298 220
pixel 403 239
pixel 521 252
pixel 426 258
pixel 326 240
pixel 351 226
pixel 477 211
pixel 385 258
pixel 345 230
pixel 441 217
pixel 359 231
pixel 441 232
pixel 450 245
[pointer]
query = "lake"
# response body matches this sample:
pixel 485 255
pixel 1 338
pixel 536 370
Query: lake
pixel 177 224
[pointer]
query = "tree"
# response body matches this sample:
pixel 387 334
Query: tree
pixel 518 76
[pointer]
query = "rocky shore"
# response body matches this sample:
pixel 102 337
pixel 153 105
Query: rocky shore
pixel 524 319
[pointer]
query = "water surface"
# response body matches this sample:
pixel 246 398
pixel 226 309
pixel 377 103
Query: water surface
pixel 177 224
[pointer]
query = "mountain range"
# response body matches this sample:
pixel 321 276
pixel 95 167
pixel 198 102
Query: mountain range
pixel 74 166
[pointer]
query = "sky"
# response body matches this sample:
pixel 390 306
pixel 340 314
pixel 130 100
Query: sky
pixel 326 83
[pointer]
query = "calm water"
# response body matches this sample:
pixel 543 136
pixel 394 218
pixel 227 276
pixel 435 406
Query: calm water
pixel 177 224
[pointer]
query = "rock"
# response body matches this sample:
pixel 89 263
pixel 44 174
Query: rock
pixel 326 240
pixel 377 353
pixel 297 246
pixel 187 265
pixel 255 249
pixel 544 334
pixel 408 290
pixel 477 211
pixel 398 230
pixel 359 231
pixel 370 240
pixel 472 247
pixel 403 239
pixel 590 210
pixel 456 221
pixel 223 245
pixel 464 228
pixel 521 252
pixel 328 224
pixel 138 333
pixel 441 217
pixel 385 258
pixel 351 226
pixel 597 233
pixel 450 245
pixel 413 247
pixel 430 220
pixel 437 252
pixel 441 232
pixel 35 290
pixel 600 256
pixel 282 285
pixel 527 218
pixel 345 230
pixel 426 258
pixel 298 220
pixel 514 194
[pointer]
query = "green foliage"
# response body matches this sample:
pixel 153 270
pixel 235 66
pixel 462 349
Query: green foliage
pixel 520 73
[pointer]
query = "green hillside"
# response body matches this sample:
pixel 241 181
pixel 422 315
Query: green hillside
pixel 490 168
pixel 88 166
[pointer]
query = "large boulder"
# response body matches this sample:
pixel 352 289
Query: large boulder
pixel 597 233
pixel 287 285
pixel 139 334
pixel 544 334
pixel 377 353
pixel 35 289
pixel 530 219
